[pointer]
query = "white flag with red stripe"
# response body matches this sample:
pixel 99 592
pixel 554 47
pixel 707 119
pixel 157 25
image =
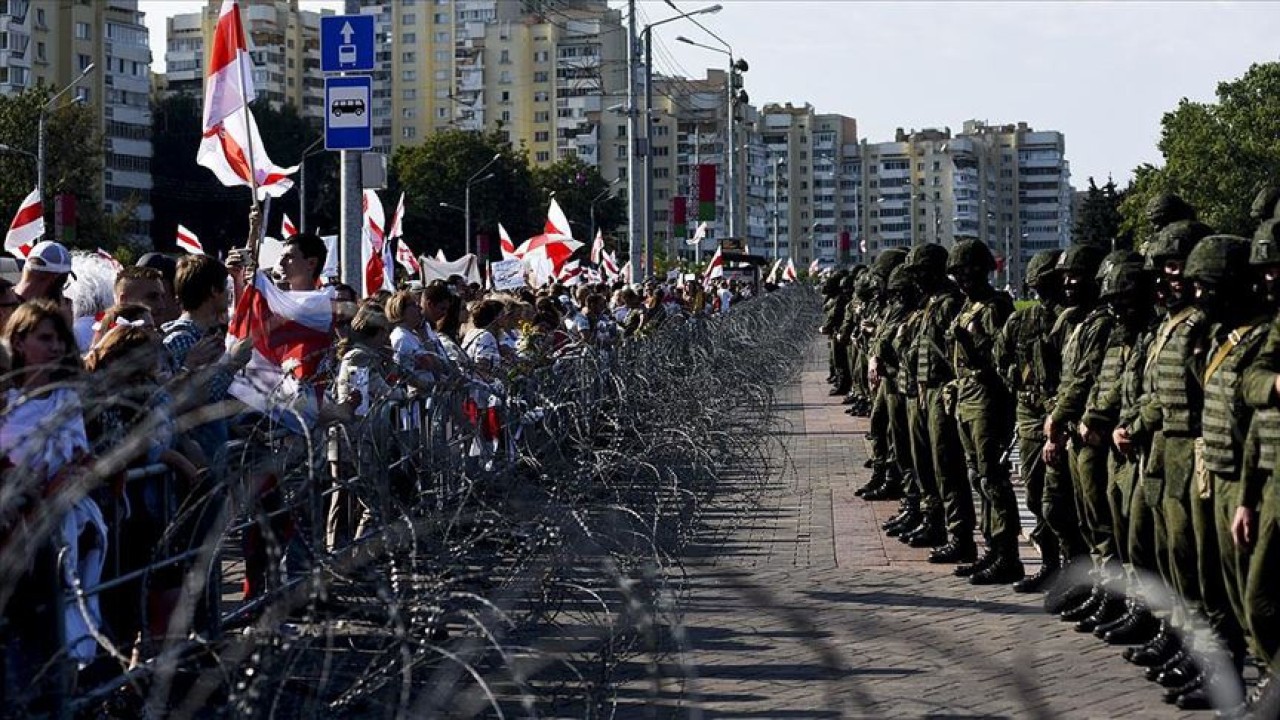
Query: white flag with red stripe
pixel 287 228
pixel 609 264
pixel 772 277
pixel 188 241
pixel 110 258
pixel 789 274
pixel 290 332
pixel 814 267
pixel 715 267
pixel 27 227
pixel 570 274
pixel 404 255
pixel 379 265
pixel 597 247
pixel 508 247
pixel 230 145
pixel 699 234
pixel 557 223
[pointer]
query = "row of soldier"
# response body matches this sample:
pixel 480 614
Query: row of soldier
pixel 1140 392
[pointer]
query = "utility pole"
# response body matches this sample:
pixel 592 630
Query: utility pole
pixel 731 187
pixel 351 205
pixel 777 167
pixel 647 149
pixel 635 227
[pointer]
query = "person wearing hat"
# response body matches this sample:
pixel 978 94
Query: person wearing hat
pixel 45 273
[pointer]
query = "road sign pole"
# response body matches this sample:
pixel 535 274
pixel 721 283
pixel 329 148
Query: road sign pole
pixel 351 206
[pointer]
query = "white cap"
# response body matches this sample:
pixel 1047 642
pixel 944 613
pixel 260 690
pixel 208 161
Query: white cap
pixel 51 257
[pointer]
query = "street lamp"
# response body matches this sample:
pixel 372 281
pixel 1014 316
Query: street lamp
pixel 647 216
pixel 731 121
pixel 475 179
pixel 40 128
pixel 596 201
pixel 17 151
pixel 302 181
pixel 452 207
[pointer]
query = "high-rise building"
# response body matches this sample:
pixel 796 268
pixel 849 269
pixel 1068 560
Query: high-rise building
pixel 51 43
pixel 284 43
pixel 1008 185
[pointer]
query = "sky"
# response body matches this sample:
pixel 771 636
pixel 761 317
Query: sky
pixel 1103 73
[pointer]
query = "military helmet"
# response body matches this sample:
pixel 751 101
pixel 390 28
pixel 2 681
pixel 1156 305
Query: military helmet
pixel 887 260
pixel 1117 257
pixel 848 283
pixel 1081 259
pixel 1175 241
pixel 1265 248
pixel 1218 257
pixel 867 286
pixel 929 258
pixel 1264 203
pixel 970 254
pixel 900 279
pixel 1123 278
pixel 1166 208
pixel 1041 266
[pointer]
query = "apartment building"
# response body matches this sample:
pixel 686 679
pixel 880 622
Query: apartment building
pixel 284 42
pixel 1008 185
pixel 50 44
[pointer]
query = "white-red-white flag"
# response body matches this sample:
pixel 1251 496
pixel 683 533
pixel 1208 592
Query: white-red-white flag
pixel 379 266
pixel 230 145
pixel 625 270
pixel 772 277
pixel 27 227
pixel 597 247
pixel 609 264
pixel 556 248
pixel 188 241
pixel 404 255
pixel 699 234
pixel 287 228
pixel 557 223
pixel 862 245
pixel 110 258
pixel 789 274
pixel 715 267
pixel 397 220
pixel 508 247
pixel 814 267
pixel 570 274
pixel 291 335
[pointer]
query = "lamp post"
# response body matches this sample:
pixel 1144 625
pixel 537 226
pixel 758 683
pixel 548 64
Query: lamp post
pixel 647 146
pixel 475 179
pixel 40 128
pixel 730 122
pixel 777 168
pixel 302 182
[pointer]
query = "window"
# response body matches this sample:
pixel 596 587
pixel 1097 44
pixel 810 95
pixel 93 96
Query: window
pixel 542 156
pixel 408 113
pixel 84 61
pixel 661 151
pixel 661 173
pixel 441 18
pixel 504 77
pixel 409 57
pixel 442 75
pixel 506 116
pixel 442 113
pixel 542 136
pixel 441 56
pixel 408 94
pixel 408 132
pixel 408 19
pixel 40 50
pixel 505 95
pixel 541 96
pixel 442 36
pixel 541 56
pixel 542 116
pixel 409 75
pixel 408 38
pixel 541 76
pixel 920 167
pixel 505 57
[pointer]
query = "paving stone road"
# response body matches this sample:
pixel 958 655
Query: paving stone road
pixel 800 608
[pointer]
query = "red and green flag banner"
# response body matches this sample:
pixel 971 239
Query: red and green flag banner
pixel 707 193
pixel 680 217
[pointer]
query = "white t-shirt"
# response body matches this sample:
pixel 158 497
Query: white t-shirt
pixel 726 298
pixel 481 346
pixel 48 429
pixel 406 348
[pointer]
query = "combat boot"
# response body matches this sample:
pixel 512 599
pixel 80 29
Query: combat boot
pixel 1154 672
pixel 988 557
pixel 904 509
pixel 906 520
pixel 1137 626
pixel 888 490
pixel 1006 568
pixel 849 399
pixel 1157 650
pixel 930 534
pixel 878 478
pixel 1049 564
pixel 1083 610
pixel 957 551
pixel 1111 609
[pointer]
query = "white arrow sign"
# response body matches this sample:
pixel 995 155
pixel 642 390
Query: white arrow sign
pixel 347 32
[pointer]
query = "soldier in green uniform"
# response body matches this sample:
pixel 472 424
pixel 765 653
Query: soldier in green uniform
pixel 1218 269
pixel 984 409
pixel 1255 528
pixel 839 342
pixel 933 370
pixel 832 310
pixel 886 480
pixel 910 435
pixel 1030 364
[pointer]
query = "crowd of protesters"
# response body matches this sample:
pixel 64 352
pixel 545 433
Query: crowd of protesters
pixel 128 368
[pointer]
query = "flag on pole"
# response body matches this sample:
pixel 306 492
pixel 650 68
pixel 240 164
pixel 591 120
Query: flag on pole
pixel 230 145
pixel 290 332
pixel 715 267
pixel 699 234
pixel 597 247
pixel 397 221
pixel 379 270
pixel 814 267
pixel 772 277
pixel 862 245
pixel 110 258
pixel 570 274
pixel 609 264
pixel 508 247
pixel 188 241
pixel 557 223
pixel 440 256
pixel 27 227
pixel 404 255
pixel 625 270
pixel 287 228
pixel 789 274
pixel 557 248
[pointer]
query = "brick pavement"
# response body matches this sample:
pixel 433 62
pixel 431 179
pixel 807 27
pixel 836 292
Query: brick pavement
pixel 798 607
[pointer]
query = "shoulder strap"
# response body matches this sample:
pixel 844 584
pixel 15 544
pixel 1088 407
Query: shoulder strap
pixel 1234 338
pixel 1165 334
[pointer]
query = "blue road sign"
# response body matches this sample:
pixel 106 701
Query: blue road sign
pixel 346 43
pixel 347 123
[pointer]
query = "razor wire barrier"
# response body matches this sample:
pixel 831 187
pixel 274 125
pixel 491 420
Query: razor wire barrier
pixel 495 547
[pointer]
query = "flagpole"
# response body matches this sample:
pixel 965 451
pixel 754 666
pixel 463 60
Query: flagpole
pixel 248 122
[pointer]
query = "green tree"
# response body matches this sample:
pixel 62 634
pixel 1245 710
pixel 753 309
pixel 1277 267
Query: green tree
pixel 577 186
pixel 436 171
pixel 1216 155
pixel 187 193
pixel 1099 221
pixel 73 156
